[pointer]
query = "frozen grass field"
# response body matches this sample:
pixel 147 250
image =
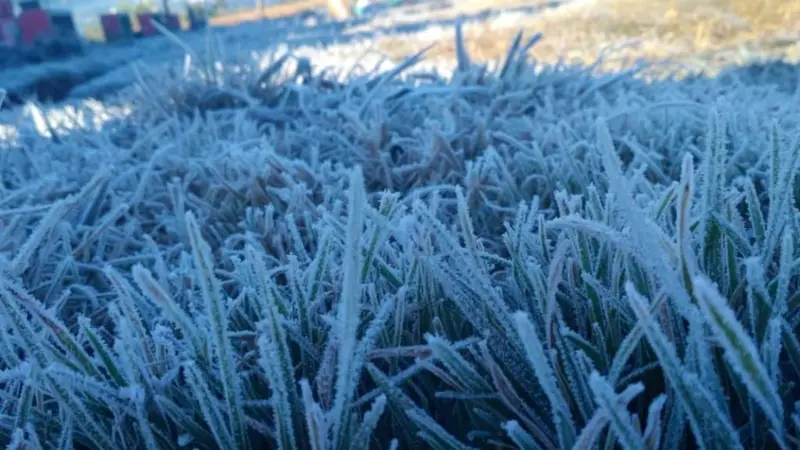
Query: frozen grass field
pixel 281 245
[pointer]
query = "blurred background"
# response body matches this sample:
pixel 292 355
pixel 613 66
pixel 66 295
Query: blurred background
pixel 677 37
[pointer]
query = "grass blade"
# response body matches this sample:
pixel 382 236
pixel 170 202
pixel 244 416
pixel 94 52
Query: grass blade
pixel 740 351
pixel 216 310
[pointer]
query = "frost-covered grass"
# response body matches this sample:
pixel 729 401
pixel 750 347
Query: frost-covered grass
pixel 530 257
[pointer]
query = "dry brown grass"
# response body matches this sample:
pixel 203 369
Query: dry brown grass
pixel 284 9
pixel 694 33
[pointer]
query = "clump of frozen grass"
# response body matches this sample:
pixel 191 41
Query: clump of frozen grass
pixel 525 258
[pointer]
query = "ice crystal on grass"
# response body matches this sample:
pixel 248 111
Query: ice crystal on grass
pixel 536 257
